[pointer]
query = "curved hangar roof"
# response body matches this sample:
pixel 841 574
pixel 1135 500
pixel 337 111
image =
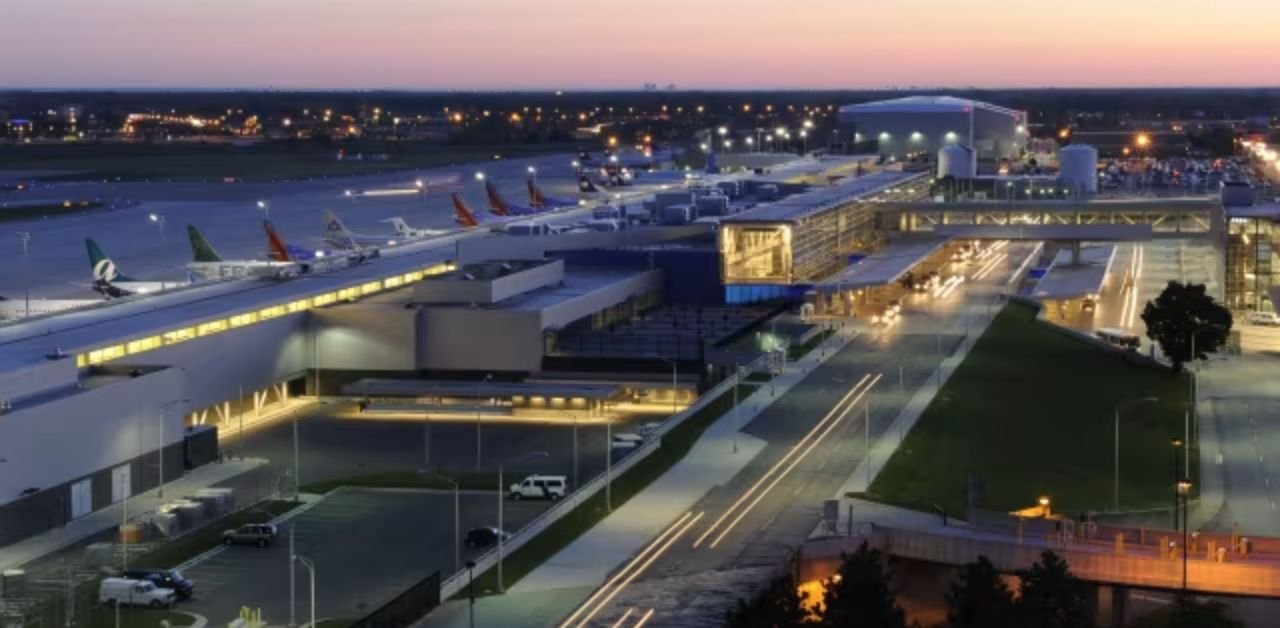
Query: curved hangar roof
pixel 925 104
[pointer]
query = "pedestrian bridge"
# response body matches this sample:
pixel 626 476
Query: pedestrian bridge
pixel 1141 558
pixel 1166 217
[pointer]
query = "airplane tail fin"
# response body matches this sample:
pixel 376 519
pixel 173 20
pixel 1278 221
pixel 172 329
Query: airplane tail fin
pixel 535 195
pixel 585 185
pixel 333 225
pixel 201 250
pixel 399 225
pixel 712 166
pixel 462 214
pixel 496 203
pixel 278 251
pixel 103 268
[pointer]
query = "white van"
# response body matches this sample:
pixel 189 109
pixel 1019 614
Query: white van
pixel 1270 319
pixel 128 592
pixel 539 487
pixel 627 440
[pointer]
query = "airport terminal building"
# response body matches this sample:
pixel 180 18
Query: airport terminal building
pixel 917 125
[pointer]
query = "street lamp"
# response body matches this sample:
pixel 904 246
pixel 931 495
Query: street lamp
pixel 674 374
pixel 1044 506
pixel 160 451
pixel 158 220
pixel 311 572
pixel 471 591
pixel 482 382
pixel 1177 444
pixel 804 143
pixel 1184 489
pixel 1115 495
pixel 25 237
pixel 479 176
pixel 266 209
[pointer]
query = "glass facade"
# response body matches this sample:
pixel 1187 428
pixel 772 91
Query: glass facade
pixel 802 250
pixel 1251 246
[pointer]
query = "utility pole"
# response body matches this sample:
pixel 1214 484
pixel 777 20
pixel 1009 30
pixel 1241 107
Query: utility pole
pixel 25 236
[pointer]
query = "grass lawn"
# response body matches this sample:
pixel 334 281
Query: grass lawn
pixel 675 445
pixel 411 478
pixel 180 550
pixel 1031 412
pixel 259 162
pixel 132 617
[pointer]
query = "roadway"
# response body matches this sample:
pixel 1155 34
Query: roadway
pixel 754 523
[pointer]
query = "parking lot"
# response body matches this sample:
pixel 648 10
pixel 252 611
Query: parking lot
pixel 333 446
pixel 368 546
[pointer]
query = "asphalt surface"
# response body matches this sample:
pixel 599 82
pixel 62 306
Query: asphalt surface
pixel 57 264
pixel 368 547
pixel 332 447
pixel 677 583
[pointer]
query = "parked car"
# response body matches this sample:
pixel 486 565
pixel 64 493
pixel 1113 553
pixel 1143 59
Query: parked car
pixel 649 430
pixel 1270 319
pixel 127 592
pixel 484 537
pixel 165 579
pixel 260 534
pixel 539 487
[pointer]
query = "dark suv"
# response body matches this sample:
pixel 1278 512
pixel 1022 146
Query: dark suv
pixel 260 534
pixel 165 579
pixel 484 537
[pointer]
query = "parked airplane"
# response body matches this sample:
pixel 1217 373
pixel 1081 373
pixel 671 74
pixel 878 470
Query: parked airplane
pixel 464 216
pixel 111 283
pixel 540 201
pixel 337 233
pixel 500 206
pixel 208 264
pixel 317 259
pixel 11 309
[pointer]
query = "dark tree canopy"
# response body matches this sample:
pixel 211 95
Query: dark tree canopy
pixel 980 598
pixel 780 605
pixel 1183 312
pixel 859 594
pixel 1052 597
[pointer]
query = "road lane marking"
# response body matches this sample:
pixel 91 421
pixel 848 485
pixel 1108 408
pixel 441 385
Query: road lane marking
pixel 623 619
pixel 777 465
pixel 644 619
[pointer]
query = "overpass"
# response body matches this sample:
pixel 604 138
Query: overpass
pixel 1166 217
pixel 1121 557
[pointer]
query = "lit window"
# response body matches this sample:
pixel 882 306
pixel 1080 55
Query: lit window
pixel 371 287
pixel 240 320
pixel 299 306
pixel 271 312
pixel 211 327
pixel 324 299
pixel 179 335
pixel 142 344
pixel 393 282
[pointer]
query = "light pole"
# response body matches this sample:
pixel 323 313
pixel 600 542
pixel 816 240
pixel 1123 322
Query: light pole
pixel 471 592
pixel 1184 489
pixel 1176 443
pixel 266 208
pixel 502 588
pixel 1115 495
pixel 608 462
pixel 25 237
pixel 478 385
pixel 575 449
pixel 157 220
pixel 422 190
pixel 804 142
pixel 674 375
pixel 457 526
pixel 533 174
pixel 311 572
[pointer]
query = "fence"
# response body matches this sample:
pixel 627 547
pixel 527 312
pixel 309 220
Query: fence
pixel 407 607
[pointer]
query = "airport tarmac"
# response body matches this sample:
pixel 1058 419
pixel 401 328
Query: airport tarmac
pixel 57 265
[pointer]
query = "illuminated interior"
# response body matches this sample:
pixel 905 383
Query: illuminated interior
pixel 756 253
pixel 242 319
pixel 1251 246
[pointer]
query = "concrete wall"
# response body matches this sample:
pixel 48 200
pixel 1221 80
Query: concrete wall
pixel 26 381
pixel 570 310
pixel 367 337
pixel 459 338
pixel 220 366
pixel 536 247
pixel 72 437
pixel 484 291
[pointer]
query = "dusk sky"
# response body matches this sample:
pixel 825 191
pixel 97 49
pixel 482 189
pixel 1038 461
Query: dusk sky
pixel 571 44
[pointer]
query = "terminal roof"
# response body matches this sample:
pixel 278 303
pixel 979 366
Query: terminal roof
pixel 925 104
pixel 799 206
pixel 884 266
pixel 1065 280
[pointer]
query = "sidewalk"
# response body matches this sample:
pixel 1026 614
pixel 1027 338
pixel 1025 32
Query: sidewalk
pixel 98 522
pixel 572 574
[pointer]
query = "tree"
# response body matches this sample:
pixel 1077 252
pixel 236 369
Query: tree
pixel 859 594
pixel 1181 312
pixel 1051 596
pixel 781 605
pixel 979 598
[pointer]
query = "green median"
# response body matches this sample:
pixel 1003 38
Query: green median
pixel 186 547
pixel 413 479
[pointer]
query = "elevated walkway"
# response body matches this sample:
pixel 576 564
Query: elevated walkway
pixel 1166 217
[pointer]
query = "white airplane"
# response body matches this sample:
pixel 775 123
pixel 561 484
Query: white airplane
pixel 208 264
pixel 338 235
pixel 11 309
pixel 111 283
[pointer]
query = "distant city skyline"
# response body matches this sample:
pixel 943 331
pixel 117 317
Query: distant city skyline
pixel 569 44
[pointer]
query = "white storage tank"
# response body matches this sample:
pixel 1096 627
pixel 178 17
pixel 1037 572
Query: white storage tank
pixel 1078 168
pixel 956 161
